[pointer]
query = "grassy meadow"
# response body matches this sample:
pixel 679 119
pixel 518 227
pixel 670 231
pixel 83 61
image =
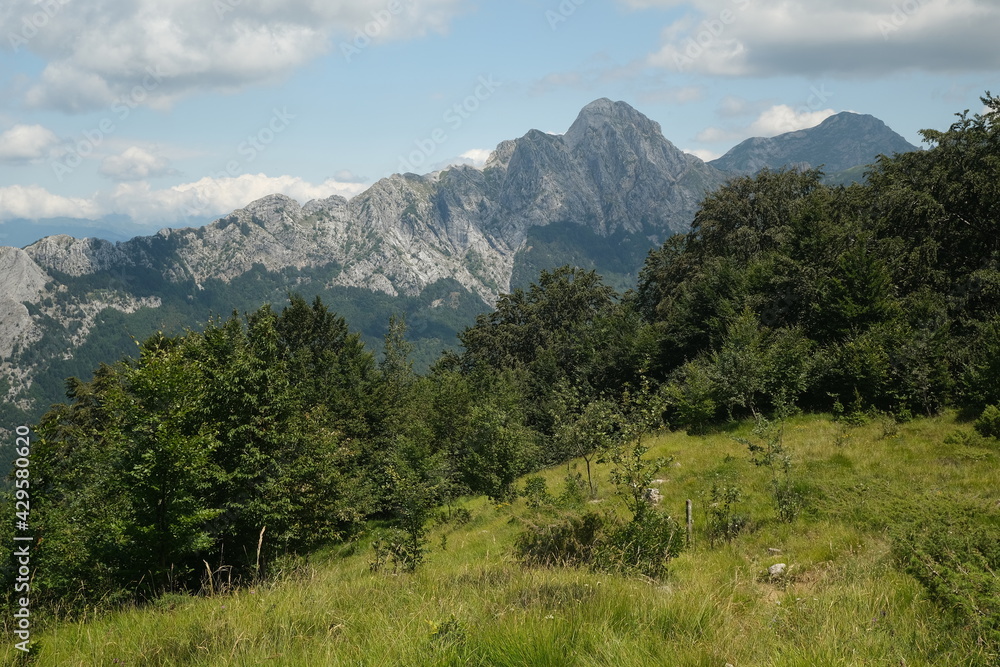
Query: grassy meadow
pixel 844 599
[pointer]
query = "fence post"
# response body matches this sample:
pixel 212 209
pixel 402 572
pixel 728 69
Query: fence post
pixel 690 521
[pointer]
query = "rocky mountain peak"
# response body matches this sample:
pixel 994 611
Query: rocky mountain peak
pixel 22 278
pixel 273 208
pixel 840 142
pixel 603 117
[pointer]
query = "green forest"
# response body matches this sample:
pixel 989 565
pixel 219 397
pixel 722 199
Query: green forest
pixel 275 434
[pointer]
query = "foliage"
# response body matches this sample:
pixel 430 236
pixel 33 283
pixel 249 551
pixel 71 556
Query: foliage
pixel 690 397
pixel 645 545
pixel 769 452
pixel 398 548
pixel 535 493
pixel 201 448
pixel 956 557
pixel 724 522
pixel 583 429
pixel 988 424
pixel 566 542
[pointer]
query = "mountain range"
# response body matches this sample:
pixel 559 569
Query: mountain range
pixel 439 247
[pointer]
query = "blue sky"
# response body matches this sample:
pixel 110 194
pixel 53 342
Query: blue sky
pixel 173 112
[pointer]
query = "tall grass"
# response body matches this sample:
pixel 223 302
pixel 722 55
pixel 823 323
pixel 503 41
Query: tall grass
pixel 843 600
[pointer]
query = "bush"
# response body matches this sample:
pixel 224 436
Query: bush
pixel 574 492
pixel 954 552
pixel 397 548
pixel 642 546
pixel 988 424
pixel 535 492
pixel 569 542
pixel 724 523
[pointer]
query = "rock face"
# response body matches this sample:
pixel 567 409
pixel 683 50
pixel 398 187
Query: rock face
pixel 613 170
pixel 23 282
pixel 840 142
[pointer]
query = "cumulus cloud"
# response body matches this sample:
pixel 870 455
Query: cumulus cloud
pixel 478 156
pixel 865 37
pixel 135 164
pixel 32 201
pixel 205 198
pixel 775 120
pixel 97 52
pixel 702 154
pixel 27 143
pixel 475 157
pixel 783 118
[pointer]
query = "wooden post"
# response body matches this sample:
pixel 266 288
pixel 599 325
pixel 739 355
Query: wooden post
pixel 690 521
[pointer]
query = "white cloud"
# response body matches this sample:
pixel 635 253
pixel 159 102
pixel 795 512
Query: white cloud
pixel 135 164
pixel 27 143
pixel 478 156
pixel 702 154
pixel 206 198
pixel 867 37
pixel 773 121
pixel 475 157
pixel 783 118
pixel 98 52
pixel 32 201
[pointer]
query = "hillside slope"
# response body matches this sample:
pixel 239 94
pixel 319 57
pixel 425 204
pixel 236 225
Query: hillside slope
pixel 850 593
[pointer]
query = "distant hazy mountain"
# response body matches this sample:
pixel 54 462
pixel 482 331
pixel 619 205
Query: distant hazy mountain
pixel 439 247
pixel 840 143
pixel 19 232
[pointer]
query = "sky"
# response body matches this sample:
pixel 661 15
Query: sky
pixel 170 113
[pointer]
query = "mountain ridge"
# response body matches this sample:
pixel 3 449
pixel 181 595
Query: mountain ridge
pixel 840 142
pixel 609 189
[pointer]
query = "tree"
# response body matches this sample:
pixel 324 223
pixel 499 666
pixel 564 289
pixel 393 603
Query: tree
pixel 584 429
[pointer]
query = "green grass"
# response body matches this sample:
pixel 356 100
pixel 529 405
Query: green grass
pixel 844 600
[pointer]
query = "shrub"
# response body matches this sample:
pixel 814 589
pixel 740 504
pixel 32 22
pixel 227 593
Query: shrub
pixel 770 453
pixel 397 548
pixel 724 523
pixel 574 492
pixel 568 542
pixel 644 546
pixel 955 554
pixel 535 492
pixel 988 424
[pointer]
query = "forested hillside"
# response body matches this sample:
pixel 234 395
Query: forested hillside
pixel 268 435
